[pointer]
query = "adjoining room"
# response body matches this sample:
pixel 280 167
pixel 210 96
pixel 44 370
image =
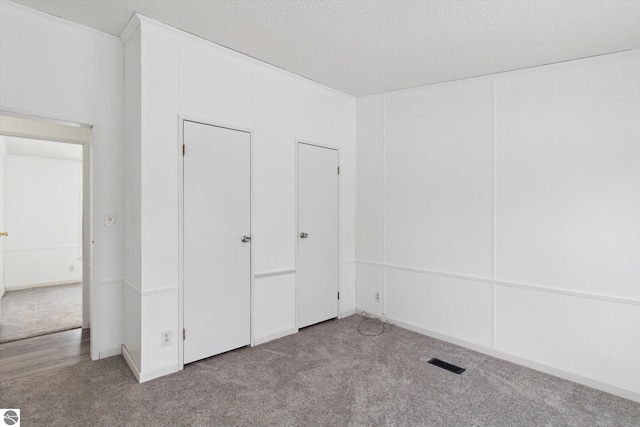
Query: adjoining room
pixel 44 297
pixel 42 262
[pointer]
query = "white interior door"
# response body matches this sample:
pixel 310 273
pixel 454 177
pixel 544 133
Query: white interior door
pixel 217 263
pixel 317 264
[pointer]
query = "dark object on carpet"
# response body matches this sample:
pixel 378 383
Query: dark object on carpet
pixel 326 375
pixel 448 366
pixel 372 326
pixel 39 311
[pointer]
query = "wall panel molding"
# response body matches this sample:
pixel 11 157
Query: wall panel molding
pixel 111 282
pixel 132 286
pixel 274 273
pixel 541 288
pixel 167 290
pixel 528 286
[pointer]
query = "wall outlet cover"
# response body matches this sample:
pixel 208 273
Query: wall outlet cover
pixel 165 338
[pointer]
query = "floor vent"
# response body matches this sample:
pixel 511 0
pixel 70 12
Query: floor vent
pixel 448 366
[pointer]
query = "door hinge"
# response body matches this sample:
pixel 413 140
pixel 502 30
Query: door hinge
pixel 338 295
pixel 184 334
pixel 338 170
pixel 183 149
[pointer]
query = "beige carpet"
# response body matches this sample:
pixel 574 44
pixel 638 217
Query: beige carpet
pixel 39 311
pixel 326 375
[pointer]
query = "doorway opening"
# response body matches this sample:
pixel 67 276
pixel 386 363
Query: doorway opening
pixel 44 246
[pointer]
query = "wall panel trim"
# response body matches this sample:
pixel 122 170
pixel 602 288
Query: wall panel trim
pixel 160 291
pixel 568 292
pixel 274 273
pixel 132 286
pixel 527 286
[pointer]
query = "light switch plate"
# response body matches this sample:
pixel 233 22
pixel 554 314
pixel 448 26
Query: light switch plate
pixel 110 219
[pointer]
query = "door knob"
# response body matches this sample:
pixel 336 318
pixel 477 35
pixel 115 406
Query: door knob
pixel 245 239
pixel 4 233
pixel 304 235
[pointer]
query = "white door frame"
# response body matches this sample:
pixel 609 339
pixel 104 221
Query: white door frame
pixel 44 128
pixel 189 118
pixel 330 147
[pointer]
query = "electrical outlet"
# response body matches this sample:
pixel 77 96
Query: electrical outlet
pixel 377 296
pixel 72 268
pixel 166 338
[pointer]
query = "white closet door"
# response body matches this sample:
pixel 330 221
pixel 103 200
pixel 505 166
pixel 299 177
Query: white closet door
pixel 217 263
pixel 317 264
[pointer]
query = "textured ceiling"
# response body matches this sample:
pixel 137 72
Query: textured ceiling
pixel 366 47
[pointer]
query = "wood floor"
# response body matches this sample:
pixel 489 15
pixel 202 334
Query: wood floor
pixel 39 354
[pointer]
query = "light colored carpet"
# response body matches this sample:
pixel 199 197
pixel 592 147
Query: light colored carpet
pixel 326 375
pixel 39 311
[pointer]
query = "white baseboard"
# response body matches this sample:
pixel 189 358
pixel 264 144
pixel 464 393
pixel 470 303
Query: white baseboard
pixel 275 336
pixel 147 375
pixel 108 352
pixel 519 360
pixel 347 313
pixel 132 365
pixel 41 285
pixel 159 372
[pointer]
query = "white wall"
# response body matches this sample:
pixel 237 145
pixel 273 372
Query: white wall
pixel 502 213
pixel 43 209
pixel 3 155
pixel 181 74
pixel 131 223
pixel 52 68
